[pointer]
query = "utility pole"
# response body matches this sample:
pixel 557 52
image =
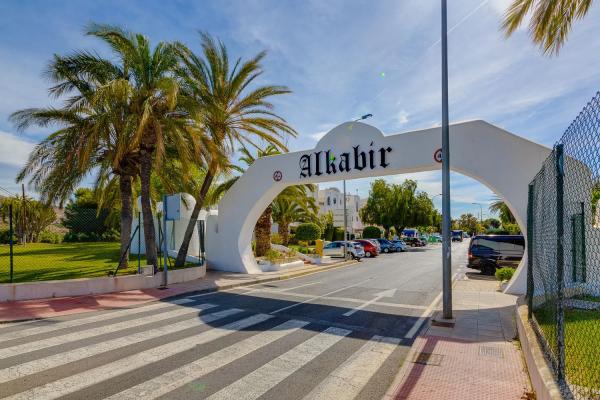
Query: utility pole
pixel 446 218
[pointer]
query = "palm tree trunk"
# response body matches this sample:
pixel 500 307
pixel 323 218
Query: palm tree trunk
pixel 192 223
pixel 149 236
pixel 126 218
pixel 284 232
pixel 262 232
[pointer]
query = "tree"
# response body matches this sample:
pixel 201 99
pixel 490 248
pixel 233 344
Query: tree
pixel 293 205
pixel 500 207
pixel 378 209
pixel 308 232
pixel 30 216
pixel 93 133
pixel 227 112
pixel 155 106
pixel 468 223
pixel 550 23
pixel 371 232
pixel 491 223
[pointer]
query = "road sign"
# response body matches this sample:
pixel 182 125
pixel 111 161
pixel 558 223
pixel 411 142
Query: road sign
pixel 437 156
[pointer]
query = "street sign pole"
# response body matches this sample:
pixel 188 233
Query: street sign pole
pixel 446 243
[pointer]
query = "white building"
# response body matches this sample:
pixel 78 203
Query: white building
pixel 332 199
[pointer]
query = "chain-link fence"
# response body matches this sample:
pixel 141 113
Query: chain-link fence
pixel 40 242
pixel 564 256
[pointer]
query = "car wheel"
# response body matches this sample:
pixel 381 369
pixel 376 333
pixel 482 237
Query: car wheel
pixel 368 254
pixel 488 269
pixel 386 250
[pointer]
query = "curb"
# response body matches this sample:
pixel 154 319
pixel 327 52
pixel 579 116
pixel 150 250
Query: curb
pixel 540 372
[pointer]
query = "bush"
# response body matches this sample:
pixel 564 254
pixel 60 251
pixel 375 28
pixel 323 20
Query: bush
pixel 504 274
pixel 50 237
pixel 371 232
pixel 275 238
pixel 308 232
pixel 338 234
pixel 273 255
pixel 5 237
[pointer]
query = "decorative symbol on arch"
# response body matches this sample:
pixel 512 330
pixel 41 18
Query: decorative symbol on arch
pixel 277 175
pixel 437 156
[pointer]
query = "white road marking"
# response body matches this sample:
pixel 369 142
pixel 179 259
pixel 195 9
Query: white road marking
pixel 258 382
pixel 92 376
pixel 55 360
pixel 179 377
pixel 319 297
pixel 347 300
pixel 89 318
pixel 350 378
pixel 97 331
pixel 378 296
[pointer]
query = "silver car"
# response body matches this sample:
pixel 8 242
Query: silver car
pixel 336 249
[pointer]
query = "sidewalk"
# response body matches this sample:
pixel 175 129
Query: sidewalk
pixel 475 359
pixel 213 281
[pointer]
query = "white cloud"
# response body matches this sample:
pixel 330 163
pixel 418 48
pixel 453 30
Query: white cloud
pixel 403 117
pixel 13 149
pixel 318 135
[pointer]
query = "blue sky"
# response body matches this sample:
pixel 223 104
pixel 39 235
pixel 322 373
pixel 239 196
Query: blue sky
pixel 342 59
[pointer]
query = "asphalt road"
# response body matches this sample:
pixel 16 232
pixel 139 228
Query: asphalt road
pixel 338 334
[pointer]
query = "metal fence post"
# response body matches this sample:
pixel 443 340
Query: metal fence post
pixel 530 285
pixel 139 252
pixel 10 239
pixel 560 316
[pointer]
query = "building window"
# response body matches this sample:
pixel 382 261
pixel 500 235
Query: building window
pixel 328 200
pixel 334 200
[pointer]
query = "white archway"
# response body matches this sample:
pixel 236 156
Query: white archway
pixel 504 162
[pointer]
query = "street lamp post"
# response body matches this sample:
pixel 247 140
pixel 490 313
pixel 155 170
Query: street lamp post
pixel 480 212
pixel 345 216
pixel 446 244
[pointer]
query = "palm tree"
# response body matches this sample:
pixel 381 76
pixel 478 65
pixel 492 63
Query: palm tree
pixel 227 112
pixel 92 134
pixel 500 207
pixel 154 101
pixel 550 23
pixel 293 205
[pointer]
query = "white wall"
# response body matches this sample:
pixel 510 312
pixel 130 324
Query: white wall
pixel 504 162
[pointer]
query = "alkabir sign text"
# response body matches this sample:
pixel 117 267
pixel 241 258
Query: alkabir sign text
pixel 326 162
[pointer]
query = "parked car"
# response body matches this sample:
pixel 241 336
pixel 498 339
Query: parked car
pixel 369 247
pixel 414 242
pixel 488 252
pixel 336 249
pixel 457 236
pixel 400 245
pixel 386 246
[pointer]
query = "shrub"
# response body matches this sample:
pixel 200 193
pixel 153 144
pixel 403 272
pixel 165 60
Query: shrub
pixel 371 232
pixel 50 237
pixel 275 238
pixel 308 232
pixel 338 234
pixel 504 274
pixel 5 238
pixel 273 255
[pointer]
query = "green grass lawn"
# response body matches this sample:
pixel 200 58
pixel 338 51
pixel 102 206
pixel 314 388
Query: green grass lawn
pixel 582 344
pixel 43 261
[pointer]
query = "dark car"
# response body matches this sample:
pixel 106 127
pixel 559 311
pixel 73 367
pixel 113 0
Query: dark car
pixel 386 246
pixel 369 246
pixel 488 252
pixel 457 236
pixel 414 242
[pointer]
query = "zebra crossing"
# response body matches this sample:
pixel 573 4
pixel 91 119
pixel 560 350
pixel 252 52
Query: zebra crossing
pixel 189 348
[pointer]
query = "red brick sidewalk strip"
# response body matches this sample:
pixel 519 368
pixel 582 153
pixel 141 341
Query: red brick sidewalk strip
pixel 475 359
